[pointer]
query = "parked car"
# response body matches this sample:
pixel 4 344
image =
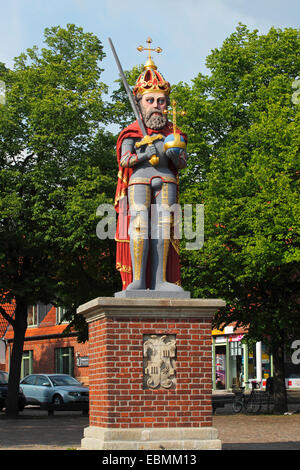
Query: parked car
pixel 55 391
pixel 4 389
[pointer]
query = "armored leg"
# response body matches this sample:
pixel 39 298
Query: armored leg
pixel 161 224
pixel 139 204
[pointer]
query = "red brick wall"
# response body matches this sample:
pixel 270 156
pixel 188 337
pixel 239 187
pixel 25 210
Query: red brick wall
pixel 117 397
pixel 44 355
pixel 44 349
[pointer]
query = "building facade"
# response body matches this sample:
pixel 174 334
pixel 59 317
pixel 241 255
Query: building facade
pixel 47 347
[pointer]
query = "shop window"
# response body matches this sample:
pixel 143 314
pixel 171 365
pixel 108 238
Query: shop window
pixel 64 361
pixel 236 369
pixel 220 367
pixel 26 365
pixel 252 362
pixel 266 362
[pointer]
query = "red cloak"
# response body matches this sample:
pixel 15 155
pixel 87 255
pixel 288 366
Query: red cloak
pixel 123 258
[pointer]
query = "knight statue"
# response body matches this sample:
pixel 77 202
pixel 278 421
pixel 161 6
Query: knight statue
pixel 150 154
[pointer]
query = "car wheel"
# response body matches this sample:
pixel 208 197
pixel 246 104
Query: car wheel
pixel 57 400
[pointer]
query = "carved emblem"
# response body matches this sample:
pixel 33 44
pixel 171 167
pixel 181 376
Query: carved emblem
pixel 159 353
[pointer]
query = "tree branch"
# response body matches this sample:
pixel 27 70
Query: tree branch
pixel 7 317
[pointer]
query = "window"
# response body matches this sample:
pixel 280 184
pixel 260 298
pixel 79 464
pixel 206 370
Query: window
pixel 29 380
pixel 220 357
pixel 60 312
pixel 42 381
pixel 64 361
pixel 36 313
pixel 26 365
pixel 235 348
pixel 42 310
pixel 32 315
pixel 236 362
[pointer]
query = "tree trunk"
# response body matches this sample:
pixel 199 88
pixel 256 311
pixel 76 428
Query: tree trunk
pixel 19 326
pixel 280 395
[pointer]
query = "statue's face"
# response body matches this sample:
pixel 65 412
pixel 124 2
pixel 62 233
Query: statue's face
pixel 153 106
pixel 156 100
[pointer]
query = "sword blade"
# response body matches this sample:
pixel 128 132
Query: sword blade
pixel 128 90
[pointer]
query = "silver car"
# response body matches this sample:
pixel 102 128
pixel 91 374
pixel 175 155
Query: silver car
pixel 56 390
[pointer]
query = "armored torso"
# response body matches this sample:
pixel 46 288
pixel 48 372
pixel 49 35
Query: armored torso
pixel 143 172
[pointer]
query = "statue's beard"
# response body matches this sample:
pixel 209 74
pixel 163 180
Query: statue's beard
pixel 153 118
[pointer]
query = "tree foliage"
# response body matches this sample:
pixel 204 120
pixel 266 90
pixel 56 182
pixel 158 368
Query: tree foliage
pixel 250 141
pixel 57 166
pixel 120 108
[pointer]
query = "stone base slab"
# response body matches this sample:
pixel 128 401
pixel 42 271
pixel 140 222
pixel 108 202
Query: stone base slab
pixel 152 294
pixel 99 438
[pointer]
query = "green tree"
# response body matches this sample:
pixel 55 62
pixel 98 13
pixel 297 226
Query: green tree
pixel 120 108
pixel 56 167
pixel 243 121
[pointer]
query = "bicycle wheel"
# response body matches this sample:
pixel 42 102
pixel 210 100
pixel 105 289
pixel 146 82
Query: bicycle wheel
pixel 253 405
pixel 237 404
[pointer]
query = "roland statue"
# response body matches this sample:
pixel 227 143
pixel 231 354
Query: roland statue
pixel 150 153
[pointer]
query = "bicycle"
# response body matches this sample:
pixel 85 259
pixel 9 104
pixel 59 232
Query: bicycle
pixel 251 402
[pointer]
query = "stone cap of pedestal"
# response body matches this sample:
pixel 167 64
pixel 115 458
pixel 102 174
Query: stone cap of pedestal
pixel 109 307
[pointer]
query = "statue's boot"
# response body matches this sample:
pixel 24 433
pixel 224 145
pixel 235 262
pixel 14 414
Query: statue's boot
pixel 159 258
pixel 139 248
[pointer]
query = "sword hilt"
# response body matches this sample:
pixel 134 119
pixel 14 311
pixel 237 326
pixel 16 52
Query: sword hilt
pixel 148 140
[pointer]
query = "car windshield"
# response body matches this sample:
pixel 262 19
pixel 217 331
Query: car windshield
pixel 3 378
pixel 63 380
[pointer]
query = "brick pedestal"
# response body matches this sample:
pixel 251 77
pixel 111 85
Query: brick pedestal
pixel 127 410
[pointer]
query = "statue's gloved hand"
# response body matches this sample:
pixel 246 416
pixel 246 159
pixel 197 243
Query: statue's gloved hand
pixel 172 153
pixel 177 156
pixel 145 153
pixel 150 151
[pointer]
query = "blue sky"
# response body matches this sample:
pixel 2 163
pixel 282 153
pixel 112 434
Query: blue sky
pixel 186 30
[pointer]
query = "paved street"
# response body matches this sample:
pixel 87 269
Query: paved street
pixel 262 431
pixel 258 432
pixel 35 430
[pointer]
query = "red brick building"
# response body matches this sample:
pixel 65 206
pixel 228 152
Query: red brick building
pixel 47 347
pixel 9 308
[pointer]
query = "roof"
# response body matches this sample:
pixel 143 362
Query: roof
pixel 4 324
pixel 47 327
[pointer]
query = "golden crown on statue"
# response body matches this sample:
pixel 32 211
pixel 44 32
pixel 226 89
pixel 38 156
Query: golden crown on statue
pixel 151 80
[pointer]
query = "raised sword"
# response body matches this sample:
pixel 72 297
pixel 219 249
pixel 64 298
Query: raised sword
pixel 147 139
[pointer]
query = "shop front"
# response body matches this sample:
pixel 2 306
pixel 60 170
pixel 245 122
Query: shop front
pixel 235 363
